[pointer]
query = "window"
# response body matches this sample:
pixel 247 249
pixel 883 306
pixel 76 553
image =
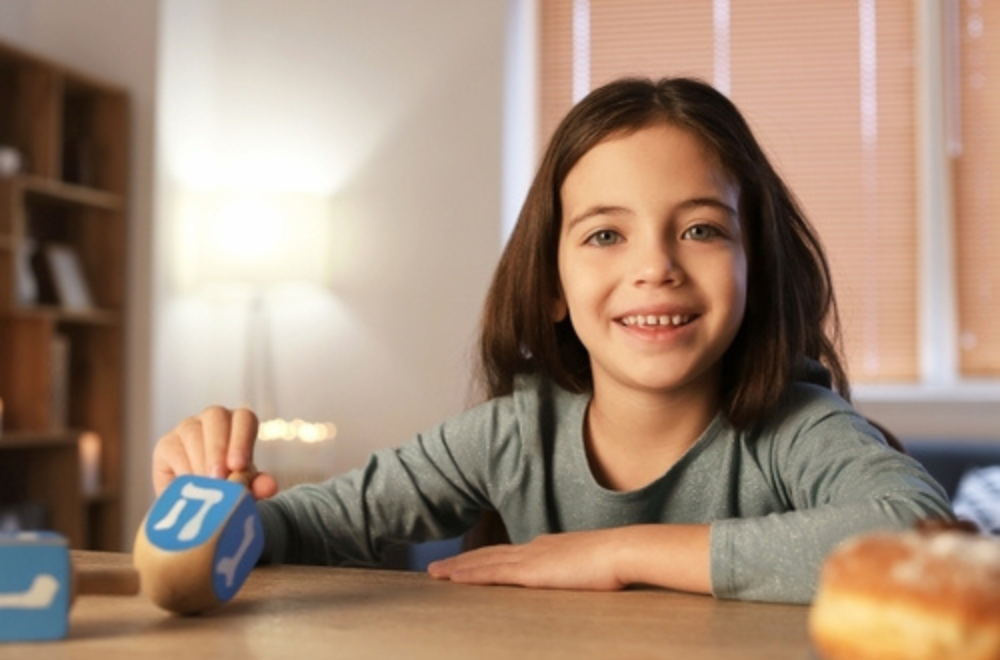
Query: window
pixel 976 164
pixel 845 96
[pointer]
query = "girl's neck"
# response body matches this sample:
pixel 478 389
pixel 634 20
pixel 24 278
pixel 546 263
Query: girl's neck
pixel 633 438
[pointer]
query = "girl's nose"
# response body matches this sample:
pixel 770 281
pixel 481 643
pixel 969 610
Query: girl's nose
pixel 657 264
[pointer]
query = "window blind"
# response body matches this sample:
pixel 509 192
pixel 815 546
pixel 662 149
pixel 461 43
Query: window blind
pixel 977 196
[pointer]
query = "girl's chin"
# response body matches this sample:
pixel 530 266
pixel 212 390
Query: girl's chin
pixel 657 385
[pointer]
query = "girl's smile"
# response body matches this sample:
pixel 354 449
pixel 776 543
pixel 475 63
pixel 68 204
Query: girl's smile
pixel 655 320
pixel 656 325
pixel 651 261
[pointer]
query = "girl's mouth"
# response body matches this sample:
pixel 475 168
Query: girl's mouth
pixel 655 320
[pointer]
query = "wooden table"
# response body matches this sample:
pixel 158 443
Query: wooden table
pixel 306 612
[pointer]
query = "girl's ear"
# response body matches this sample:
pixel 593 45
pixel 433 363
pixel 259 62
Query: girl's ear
pixel 559 310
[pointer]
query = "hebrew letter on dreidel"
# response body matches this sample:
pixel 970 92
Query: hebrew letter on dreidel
pixel 169 520
pixel 228 565
pixel 39 596
pixel 209 497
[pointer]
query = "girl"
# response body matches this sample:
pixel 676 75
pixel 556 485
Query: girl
pixel 658 347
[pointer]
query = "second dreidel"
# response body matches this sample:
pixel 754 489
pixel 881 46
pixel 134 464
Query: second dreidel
pixel 198 543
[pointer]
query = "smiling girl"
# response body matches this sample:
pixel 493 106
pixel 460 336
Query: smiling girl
pixel 658 348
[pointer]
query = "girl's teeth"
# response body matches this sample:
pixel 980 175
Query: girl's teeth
pixel 653 320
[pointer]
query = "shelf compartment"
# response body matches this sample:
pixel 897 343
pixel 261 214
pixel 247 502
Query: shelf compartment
pixel 66 125
pixel 31 124
pixel 92 119
pixel 47 474
pixel 83 221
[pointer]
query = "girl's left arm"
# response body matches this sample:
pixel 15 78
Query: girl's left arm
pixel 837 477
pixel 672 556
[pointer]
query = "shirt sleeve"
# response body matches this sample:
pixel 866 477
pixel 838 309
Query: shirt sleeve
pixel 432 487
pixel 838 478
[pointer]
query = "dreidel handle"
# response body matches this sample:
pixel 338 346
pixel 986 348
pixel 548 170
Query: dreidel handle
pixel 243 476
pixel 122 581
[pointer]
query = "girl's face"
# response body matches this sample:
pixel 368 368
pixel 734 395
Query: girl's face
pixel 652 264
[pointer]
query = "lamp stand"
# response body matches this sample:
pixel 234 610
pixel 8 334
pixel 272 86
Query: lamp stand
pixel 259 364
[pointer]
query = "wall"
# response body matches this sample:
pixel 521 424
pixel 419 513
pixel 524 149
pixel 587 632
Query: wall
pixel 393 112
pixel 116 41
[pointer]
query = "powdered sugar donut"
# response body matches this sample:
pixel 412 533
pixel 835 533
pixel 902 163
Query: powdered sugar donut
pixel 912 595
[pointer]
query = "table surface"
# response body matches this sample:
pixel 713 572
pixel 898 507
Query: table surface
pixel 310 612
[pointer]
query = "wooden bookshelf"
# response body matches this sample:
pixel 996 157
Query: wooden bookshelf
pixel 63 219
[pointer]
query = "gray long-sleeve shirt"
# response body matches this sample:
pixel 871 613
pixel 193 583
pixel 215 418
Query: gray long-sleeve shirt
pixel 778 498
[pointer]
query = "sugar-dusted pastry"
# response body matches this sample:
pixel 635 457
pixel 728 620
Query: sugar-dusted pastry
pixel 922 594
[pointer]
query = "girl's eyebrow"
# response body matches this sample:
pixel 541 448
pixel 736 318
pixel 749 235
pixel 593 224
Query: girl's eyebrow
pixel 693 203
pixel 712 202
pixel 596 210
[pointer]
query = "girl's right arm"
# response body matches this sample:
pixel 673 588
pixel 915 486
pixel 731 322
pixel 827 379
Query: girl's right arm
pixel 213 443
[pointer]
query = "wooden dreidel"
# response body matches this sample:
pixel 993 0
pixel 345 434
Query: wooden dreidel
pixel 35 583
pixel 198 543
pixel 38 585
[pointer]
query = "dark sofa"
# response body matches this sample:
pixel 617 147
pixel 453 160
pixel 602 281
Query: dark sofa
pixel 947 459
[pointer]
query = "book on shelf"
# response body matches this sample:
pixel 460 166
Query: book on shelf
pixel 59 277
pixel 59 392
pixel 70 285
pixel 26 285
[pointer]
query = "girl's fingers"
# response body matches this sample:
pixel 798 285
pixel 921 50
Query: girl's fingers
pixel 170 460
pixel 190 435
pixel 263 486
pixel 212 441
pixel 242 435
pixel 475 565
pixel 573 560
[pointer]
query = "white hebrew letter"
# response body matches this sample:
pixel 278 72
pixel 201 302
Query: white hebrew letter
pixel 227 565
pixel 209 497
pixel 39 595
pixel 170 519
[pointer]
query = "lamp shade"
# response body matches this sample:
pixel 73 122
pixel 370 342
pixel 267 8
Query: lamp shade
pixel 255 238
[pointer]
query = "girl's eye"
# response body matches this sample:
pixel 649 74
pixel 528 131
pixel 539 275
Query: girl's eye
pixel 604 237
pixel 701 232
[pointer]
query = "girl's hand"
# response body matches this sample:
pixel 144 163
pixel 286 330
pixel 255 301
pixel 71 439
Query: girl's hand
pixel 213 443
pixel 671 556
pixel 573 560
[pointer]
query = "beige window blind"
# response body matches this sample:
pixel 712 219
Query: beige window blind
pixel 977 194
pixel 829 89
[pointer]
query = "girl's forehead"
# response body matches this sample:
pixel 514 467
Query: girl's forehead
pixel 705 146
pixel 651 144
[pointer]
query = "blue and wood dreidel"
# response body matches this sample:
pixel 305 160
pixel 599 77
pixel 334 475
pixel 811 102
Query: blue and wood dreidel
pixel 198 543
pixel 35 579
pixel 38 585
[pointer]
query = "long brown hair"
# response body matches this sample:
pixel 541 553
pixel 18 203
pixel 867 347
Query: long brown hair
pixel 791 315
